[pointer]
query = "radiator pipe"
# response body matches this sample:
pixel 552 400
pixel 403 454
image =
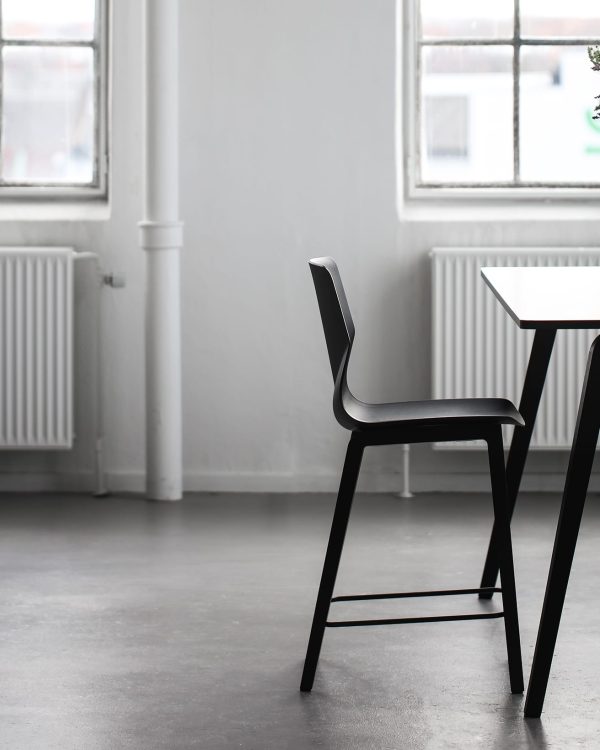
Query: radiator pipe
pixel 99 465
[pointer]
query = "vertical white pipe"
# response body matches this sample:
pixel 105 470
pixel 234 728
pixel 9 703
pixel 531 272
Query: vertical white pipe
pixel 406 474
pixel 161 236
pixel 101 489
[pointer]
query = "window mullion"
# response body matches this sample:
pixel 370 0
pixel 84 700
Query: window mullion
pixel 97 103
pixel 1 94
pixel 517 93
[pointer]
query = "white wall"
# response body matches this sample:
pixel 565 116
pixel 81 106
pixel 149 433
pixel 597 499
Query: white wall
pixel 288 151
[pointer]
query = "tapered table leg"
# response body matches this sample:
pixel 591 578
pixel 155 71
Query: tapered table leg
pixel 576 485
pixel 533 386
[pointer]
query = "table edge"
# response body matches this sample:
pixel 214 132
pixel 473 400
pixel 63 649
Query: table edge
pixel 537 324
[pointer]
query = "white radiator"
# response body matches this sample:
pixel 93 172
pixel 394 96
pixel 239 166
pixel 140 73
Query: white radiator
pixel 36 347
pixel 479 351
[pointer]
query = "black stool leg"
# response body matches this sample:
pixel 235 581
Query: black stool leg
pixel 504 547
pixel 332 559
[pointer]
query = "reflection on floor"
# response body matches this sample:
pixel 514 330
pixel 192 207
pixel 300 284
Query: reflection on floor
pixel 127 624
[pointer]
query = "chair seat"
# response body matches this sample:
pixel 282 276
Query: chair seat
pixel 430 413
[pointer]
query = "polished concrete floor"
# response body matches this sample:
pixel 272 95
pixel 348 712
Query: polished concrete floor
pixel 127 624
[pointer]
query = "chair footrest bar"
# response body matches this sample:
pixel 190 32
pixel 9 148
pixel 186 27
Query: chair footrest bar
pixel 407 620
pixel 409 594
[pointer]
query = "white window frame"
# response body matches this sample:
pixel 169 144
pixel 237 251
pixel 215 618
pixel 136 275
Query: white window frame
pixel 97 190
pixel 409 45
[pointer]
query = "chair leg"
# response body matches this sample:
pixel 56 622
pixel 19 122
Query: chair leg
pixel 507 574
pixel 332 560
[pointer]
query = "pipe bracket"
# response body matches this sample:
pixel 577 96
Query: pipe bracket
pixel 161 235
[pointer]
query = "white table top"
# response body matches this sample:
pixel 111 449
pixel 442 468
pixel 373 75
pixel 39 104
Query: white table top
pixel 548 297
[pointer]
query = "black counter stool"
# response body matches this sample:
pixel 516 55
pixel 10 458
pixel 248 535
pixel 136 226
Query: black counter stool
pixel 402 423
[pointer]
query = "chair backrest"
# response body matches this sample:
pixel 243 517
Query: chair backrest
pixel 335 313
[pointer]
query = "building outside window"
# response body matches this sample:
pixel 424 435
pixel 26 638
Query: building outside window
pixel 501 97
pixel 53 98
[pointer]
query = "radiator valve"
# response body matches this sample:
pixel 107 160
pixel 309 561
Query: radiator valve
pixel 114 280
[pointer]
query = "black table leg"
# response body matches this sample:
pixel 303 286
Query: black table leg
pixel 576 484
pixel 535 377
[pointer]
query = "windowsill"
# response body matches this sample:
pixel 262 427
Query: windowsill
pixel 476 210
pixel 21 210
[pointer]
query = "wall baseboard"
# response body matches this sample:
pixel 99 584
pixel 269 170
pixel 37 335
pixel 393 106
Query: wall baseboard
pixel 446 482
pixel 83 482
pixel 134 482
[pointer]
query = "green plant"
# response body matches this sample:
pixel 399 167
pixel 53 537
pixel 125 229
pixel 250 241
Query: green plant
pixel 594 55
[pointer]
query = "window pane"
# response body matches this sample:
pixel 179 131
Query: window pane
pixel 559 140
pixel 48 115
pixel 48 19
pixel 576 18
pixel 466 115
pixel 471 19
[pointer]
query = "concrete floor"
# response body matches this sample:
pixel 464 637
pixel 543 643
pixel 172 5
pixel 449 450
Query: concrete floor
pixel 126 624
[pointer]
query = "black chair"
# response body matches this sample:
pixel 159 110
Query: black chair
pixel 401 423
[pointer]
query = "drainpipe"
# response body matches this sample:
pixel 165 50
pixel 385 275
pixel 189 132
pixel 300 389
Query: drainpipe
pixel 161 236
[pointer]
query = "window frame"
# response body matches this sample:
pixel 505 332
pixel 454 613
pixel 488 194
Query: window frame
pixel 98 189
pixel 410 45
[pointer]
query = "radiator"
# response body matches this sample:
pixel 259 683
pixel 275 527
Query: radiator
pixel 36 347
pixel 479 351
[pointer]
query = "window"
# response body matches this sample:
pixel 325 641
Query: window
pixel 53 98
pixel 501 97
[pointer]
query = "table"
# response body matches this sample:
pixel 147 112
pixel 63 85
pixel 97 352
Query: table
pixel 546 299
